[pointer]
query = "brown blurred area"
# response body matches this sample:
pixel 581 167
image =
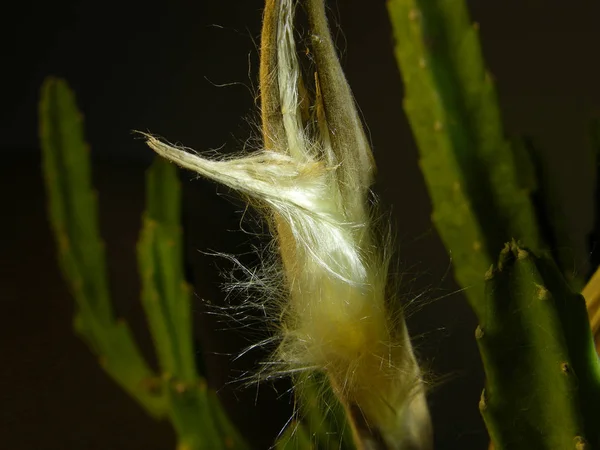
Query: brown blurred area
pixel 156 67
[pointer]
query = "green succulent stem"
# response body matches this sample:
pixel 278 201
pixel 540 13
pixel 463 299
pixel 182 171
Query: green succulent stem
pixel 480 197
pixel 198 417
pixel 73 214
pixel 179 393
pixel 542 372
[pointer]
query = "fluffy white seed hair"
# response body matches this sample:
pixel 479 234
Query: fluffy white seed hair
pixel 312 181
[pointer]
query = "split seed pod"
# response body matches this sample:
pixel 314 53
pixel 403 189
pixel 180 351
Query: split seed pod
pixel 312 181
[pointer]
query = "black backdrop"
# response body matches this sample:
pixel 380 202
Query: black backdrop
pixel 160 67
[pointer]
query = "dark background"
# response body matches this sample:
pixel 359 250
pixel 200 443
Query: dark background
pixel 157 67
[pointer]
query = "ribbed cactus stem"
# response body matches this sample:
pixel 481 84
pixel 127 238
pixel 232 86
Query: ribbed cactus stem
pixel 479 197
pixel 165 293
pixel 534 336
pixel 198 418
pixel 179 393
pixel 542 373
pixel 73 213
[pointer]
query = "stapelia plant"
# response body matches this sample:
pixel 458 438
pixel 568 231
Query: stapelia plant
pixel 340 331
pixel 312 182
pixel 177 392
pixel 542 374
